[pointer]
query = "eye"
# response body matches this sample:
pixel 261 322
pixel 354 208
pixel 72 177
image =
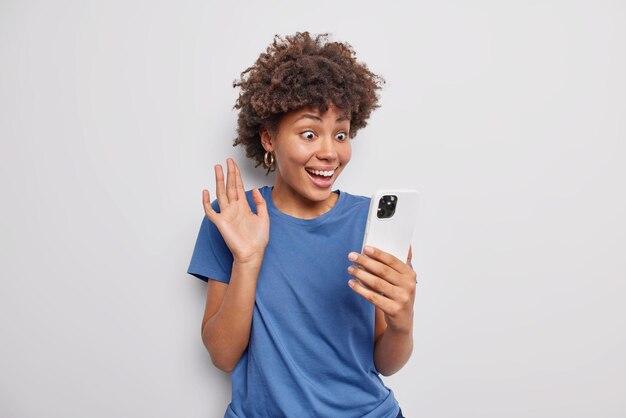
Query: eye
pixel 342 136
pixel 308 134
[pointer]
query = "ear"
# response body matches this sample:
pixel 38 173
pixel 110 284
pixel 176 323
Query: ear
pixel 266 139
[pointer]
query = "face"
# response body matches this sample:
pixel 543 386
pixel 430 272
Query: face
pixel 311 149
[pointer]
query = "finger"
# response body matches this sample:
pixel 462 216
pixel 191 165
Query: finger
pixel 241 192
pixel 261 206
pixel 231 186
pixel 410 256
pixel 206 202
pixel 375 298
pixel 386 258
pixel 222 199
pixel 375 267
pixel 375 283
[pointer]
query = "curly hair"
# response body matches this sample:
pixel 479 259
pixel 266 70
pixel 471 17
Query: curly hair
pixel 302 71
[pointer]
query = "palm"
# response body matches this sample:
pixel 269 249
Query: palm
pixel 246 234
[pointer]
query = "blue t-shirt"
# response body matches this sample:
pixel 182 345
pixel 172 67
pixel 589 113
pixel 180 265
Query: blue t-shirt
pixel 311 347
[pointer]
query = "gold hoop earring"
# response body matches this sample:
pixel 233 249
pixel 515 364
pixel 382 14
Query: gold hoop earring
pixel 268 156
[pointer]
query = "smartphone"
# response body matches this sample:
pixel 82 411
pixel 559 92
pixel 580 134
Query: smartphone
pixel 391 221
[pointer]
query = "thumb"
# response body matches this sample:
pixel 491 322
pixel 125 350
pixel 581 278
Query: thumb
pixel 261 206
pixel 206 202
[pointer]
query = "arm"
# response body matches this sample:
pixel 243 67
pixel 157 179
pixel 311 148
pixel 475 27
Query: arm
pixel 228 313
pixel 392 350
pixel 390 286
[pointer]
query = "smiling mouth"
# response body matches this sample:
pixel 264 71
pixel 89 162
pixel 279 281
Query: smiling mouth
pixel 321 173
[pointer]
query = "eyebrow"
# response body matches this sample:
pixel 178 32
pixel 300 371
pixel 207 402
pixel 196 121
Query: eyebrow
pixel 317 118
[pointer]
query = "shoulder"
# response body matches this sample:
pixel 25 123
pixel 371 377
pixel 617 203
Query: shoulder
pixel 355 200
pixel 265 193
pixel 353 206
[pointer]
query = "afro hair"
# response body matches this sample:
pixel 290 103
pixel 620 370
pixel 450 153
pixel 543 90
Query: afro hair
pixel 302 71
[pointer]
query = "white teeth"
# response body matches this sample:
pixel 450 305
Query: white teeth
pixel 322 173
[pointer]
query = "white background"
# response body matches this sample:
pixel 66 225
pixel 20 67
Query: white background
pixel 507 116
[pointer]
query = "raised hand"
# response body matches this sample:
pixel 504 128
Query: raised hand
pixel 246 234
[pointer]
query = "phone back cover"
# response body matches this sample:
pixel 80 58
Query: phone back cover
pixel 394 234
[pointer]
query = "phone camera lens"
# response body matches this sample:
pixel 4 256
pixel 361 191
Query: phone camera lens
pixel 387 206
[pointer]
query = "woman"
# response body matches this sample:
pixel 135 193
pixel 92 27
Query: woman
pixel 284 312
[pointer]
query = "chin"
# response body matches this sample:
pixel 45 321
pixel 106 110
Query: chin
pixel 320 195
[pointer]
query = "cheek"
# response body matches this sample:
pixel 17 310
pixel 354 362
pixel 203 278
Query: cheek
pixel 293 154
pixel 298 155
pixel 345 153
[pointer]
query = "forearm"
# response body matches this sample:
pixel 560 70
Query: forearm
pixel 226 334
pixel 392 351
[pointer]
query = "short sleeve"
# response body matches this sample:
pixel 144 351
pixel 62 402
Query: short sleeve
pixel 211 258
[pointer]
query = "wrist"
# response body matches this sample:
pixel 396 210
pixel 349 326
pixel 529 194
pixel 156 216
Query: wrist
pixel 401 331
pixel 251 260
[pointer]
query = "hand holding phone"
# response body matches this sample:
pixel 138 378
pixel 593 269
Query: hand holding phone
pixel 391 221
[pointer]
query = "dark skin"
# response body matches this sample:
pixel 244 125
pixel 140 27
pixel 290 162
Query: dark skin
pixel 389 284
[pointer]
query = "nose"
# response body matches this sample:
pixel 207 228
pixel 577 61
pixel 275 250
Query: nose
pixel 327 149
